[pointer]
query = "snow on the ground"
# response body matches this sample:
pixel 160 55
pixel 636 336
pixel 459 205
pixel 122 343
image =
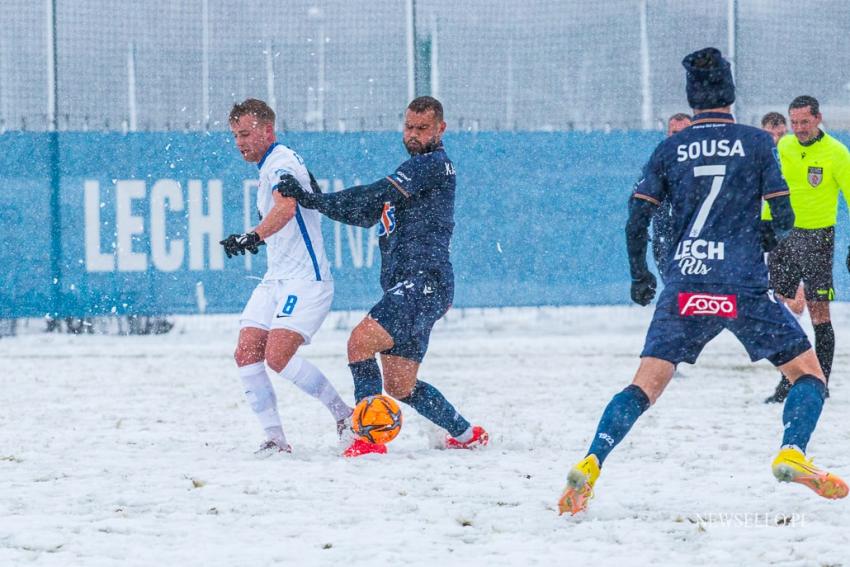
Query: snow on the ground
pixel 138 451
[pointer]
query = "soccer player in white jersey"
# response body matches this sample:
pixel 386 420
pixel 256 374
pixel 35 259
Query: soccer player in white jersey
pixel 288 306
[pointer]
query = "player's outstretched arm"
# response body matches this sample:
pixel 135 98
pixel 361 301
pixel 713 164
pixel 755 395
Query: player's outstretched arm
pixel 361 205
pixel 637 236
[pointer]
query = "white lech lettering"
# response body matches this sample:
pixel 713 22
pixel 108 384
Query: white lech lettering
pixel 167 255
pixel 128 225
pixel 96 261
pixel 207 225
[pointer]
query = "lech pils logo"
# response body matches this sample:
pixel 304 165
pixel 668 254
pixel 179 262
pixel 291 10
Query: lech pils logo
pixel 815 176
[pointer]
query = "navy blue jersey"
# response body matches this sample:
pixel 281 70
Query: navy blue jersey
pixel 417 221
pixel 714 176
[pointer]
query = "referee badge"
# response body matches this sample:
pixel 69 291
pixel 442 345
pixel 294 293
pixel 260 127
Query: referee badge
pixel 815 176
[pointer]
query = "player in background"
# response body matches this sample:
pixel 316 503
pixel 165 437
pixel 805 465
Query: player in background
pixel 816 167
pixel 414 210
pixel 287 308
pixel 774 123
pixel 715 174
pixel 677 123
pixel 662 219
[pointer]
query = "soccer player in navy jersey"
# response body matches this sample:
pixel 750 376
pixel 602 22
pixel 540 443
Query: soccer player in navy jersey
pixel 714 174
pixel 414 210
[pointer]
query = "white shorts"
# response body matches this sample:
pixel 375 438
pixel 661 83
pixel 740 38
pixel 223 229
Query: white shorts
pixel 297 305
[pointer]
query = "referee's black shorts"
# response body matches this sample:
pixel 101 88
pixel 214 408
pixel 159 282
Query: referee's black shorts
pixel 805 256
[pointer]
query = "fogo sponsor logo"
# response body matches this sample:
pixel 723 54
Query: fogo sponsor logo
pixel 702 304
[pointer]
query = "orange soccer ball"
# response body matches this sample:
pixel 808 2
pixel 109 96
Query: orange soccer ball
pixel 376 419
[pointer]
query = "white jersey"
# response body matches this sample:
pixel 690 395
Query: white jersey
pixel 297 251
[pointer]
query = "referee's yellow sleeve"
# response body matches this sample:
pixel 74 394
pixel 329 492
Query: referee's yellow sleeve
pixel 765 210
pixel 842 171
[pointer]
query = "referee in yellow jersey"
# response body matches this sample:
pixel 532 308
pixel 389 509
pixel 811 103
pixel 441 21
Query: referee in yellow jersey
pixel 816 166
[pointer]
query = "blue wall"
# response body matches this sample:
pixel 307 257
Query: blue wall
pixel 539 216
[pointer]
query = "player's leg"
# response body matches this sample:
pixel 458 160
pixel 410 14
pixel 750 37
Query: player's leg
pixel 817 275
pixel 674 336
pixel 824 335
pixel 805 399
pixel 401 382
pixel 367 339
pixel 408 315
pixel 800 417
pixel 302 308
pixel 313 382
pixel 768 330
pixel 651 378
pixel 619 416
pixel 249 355
pixel 399 327
pixel 400 377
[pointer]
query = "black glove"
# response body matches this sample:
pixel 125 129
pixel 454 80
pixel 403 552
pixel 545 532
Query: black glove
pixel 768 236
pixel 643 288
pixel 236 244
pixel 290 187
pixel 848 258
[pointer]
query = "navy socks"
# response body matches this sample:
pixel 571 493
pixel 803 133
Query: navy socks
pixel 428 401
pixel 802 410
pixel 425 398
pixel 621 413
pixel 367 378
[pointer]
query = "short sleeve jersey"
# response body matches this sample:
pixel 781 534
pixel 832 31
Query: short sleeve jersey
pixel 297 251
pixel 416 225
pixel 714 176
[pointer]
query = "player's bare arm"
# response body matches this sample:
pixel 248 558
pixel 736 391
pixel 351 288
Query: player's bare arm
pixel 280 214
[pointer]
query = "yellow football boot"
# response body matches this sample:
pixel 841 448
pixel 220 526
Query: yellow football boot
pixel 791 465
pixel 580 483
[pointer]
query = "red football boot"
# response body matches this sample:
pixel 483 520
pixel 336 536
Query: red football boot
pixel 361 447
pixel 480 438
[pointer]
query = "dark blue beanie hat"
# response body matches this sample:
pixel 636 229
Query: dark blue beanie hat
pixel 709 79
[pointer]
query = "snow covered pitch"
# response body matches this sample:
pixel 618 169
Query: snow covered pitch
pixel 138 451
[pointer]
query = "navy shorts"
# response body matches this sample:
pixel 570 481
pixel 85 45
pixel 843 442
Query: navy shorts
pixel 408 311
pixel 685 320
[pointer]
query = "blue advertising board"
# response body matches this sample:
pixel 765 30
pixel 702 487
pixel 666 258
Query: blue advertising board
pixel 539 219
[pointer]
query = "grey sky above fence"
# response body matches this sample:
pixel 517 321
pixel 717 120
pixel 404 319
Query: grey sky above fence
pixel 343 64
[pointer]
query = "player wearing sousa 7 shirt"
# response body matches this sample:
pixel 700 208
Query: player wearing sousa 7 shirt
pixel 714 176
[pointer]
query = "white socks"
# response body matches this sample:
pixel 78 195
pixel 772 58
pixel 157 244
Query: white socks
pixel 261 396
pixel 302 373
pixel 310 380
